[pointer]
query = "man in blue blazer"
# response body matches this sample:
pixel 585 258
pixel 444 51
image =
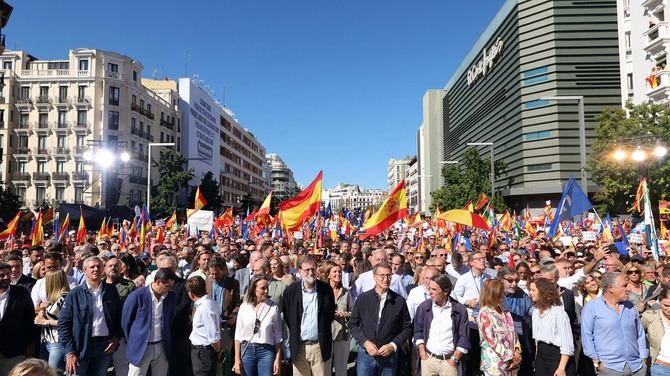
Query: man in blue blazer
pixel 89 323
pixel 146 321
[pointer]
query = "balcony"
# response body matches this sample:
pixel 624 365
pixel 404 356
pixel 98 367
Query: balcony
pixel 139 155
pixel 149 137
pixel 42 153
pixel 652 5
pixel 22 152
pixel 61 151
pixel 656 38
pixel 80 176
pixel 41 176
pixel 137 180
pixel 25 73
pixel 42 102
pixel 135 107
pixel 82 127
pixel 82 102
pixel 83 73
pixel 62 128
pixel 62 177
pixel 137 132
pixel 22 129
pixel 24 103
pixel 79 150
pixel 167 124
pixel 61 102
pixel 660 92
pixel 41 128
pixel 21 176
pixel 149 114
pixel 113 75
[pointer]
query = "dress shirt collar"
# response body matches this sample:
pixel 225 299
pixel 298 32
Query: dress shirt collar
pixel 92 289
pixel 445 306
pixel 200 301
pixel 156 297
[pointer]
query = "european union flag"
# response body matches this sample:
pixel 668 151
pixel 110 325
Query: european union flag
pixel 573 202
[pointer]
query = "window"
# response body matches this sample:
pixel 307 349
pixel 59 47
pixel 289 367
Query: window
pixel 538 135
pixel 539 167
pixel 79 166
pixel 112 139
pixel 41 167
pixel 60 166
pixel 42 142
pixel 113 121
pixel 162 135
pixel 62 93
pixel 82 116
pixel 62 141
pixel 535 104
pixel 62 117
pixel 81 93
pixel 21 167
pixel 7 65
pixel 133 125
pixel 133 100
pixel 22 141
pixel 141 127
pixel 78 194
pixel 629 79
pixel 83 64
pixel 149 107
pixel 141 104
pixel 43 120
pixel 113 67
pixel 25 92
pixel 80 140
pixel 114 94
pixel 627 40
pixel 60 193
pixel 21 192
pixel 2 116
pixel 44 93
pixel 135 75
pixel 535 76
pixel 148 129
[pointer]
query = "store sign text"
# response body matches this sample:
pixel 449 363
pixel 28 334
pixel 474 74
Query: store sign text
pixel 484 65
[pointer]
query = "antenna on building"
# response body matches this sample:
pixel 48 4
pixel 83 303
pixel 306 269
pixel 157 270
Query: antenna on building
pixel 153 74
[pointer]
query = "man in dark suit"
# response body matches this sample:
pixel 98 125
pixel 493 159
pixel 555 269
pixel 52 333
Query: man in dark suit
pixel 225 291
pixel 243 275
pixel 146 320
pixel 309 310
pixel 381 325
pixel 180 361
pixel 16 320
pixel 17 277
pixel 89 326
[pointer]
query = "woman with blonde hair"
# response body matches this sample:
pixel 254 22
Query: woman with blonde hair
pixel 57 288
pixel 39 270
pixel 32 367
pixel 501 349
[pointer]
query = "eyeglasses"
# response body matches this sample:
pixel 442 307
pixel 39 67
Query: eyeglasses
pixel 511 280
pixel 384 276
pixel 633 272
pixel 477 259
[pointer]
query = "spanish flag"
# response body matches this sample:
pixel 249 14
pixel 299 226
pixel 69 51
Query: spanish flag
pixel 103 228
pixel 200 201
pixel 263 214
pixel 172 221
pixel 81 231
pixel 38 232
pixel 11 227
pixel 393 209
pixel 482 200
pixel 469 207
pixel 297 210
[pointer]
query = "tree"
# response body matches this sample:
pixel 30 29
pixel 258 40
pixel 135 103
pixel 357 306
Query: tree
pixel 209 188
pixel 9 204
pixel 466 181
pixel 173 178
pixel 642 126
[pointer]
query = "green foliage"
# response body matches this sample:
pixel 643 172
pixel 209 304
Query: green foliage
pixel 209 188
pixel 9 204
pixel 642 126
pixel 465 181
pixel 173 178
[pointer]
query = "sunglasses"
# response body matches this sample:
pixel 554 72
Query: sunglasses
pixel 418 257
pixel 536 271
pixel 633 272
pixel 257 326
pixel 511 280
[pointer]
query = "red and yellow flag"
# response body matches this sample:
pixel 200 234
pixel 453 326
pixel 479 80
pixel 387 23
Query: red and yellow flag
pixel 394 208
pixel 11 227
pixel 263 214
pixel 482 200
pixel 103 228
pixel 172 221
pixel 38 232
pixel 227 218
pixel 200 201
pixel 81 231
pixel 62 232
pixel 469 207
pixel 297 210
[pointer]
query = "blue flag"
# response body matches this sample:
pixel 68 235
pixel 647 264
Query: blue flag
pixel 573 202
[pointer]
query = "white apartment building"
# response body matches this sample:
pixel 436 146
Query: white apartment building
pixel 644 44
pixel 430 148
pixel 65 124
pixel 413 185
pixel 283 183
pixel 351 196
pixel 396 171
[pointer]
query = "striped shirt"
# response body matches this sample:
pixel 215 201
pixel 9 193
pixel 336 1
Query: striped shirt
pixel 553 327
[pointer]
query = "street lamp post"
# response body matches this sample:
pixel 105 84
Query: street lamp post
pixel 149 169
pixel 493 176
pixel 582 134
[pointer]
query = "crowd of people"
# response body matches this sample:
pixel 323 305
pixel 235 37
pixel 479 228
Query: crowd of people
pixel 205 306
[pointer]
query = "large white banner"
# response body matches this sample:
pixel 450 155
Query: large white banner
pixel 199 220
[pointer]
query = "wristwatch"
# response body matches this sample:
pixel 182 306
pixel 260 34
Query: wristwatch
pixel 596 364
pixel 454 358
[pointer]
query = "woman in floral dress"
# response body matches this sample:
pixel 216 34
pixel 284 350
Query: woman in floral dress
pixel 501 350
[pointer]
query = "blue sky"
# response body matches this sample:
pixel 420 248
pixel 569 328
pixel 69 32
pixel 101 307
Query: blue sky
pixel 332 85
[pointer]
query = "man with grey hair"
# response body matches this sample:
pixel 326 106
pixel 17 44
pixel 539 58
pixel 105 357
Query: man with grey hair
pixel 612 333
pixel 243 275
pixel 551 273
pixel 366 281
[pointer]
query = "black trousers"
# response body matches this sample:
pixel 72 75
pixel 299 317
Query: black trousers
pixel 180 361
pixel 548 359
pixel 204 359
pixel 474 354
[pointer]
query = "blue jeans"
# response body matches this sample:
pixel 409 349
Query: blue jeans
pixel 258 359
pixel 97 361
pixel 56 355
pixel 367 365
pixel 659 370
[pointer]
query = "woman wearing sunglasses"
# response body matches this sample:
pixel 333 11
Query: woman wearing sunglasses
pixel 638 290
pixel 258 333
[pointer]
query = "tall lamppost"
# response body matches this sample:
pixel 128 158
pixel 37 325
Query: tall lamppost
pixel 493 173
pixel 582 134
pixel 149 169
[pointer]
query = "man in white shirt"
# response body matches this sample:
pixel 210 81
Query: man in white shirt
pixel 366 281
pixel 206 334
pixel 52 261
pixel 569 278
pixel 420 293
pixel 457 268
